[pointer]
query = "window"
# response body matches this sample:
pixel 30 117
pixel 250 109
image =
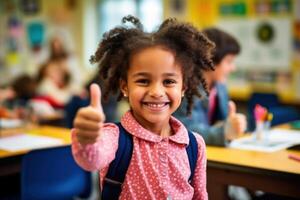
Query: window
pixel 110 13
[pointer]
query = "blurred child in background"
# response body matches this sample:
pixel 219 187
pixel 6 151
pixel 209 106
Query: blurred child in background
pixel 215 117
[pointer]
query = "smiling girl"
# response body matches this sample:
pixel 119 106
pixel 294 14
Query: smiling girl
pixel 153 71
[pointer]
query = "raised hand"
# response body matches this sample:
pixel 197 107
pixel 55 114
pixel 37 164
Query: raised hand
pixel 235 123
pixel 89 120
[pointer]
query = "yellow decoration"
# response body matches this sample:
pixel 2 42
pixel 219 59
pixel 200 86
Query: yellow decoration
pixel 12 59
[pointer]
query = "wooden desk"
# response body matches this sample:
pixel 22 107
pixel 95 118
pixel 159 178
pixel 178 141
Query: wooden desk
pixel 10 161
pixel 269 172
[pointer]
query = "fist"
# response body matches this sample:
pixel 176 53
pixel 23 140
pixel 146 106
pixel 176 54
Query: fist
pixel 89 120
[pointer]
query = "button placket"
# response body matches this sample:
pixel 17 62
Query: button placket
pixel 163 157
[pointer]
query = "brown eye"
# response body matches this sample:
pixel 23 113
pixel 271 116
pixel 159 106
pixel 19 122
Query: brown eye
pixel 142 81
pixel 169 82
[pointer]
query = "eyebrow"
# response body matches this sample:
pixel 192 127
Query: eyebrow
pixel 148 74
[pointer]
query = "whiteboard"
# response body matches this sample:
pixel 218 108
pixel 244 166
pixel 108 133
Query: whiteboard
pixel 258 55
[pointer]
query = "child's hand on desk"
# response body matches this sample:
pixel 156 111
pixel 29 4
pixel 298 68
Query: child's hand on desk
pixel 236 123
pixel 89 120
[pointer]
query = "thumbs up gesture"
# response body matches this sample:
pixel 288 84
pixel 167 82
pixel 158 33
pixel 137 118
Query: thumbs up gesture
pixel 89 120
pixel 236 123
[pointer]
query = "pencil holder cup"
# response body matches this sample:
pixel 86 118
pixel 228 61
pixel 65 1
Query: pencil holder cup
pixel 259 130
pixel 262 130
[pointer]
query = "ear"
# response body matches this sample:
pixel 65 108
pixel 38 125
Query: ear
pixel 124 87
pixel 183 90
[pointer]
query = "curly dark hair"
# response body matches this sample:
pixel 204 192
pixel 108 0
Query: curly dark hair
pixel 191 49
pixel 224 42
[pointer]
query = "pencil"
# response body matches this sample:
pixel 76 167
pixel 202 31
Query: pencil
pixel 294 157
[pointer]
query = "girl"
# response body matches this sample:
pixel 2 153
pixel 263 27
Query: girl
pixel 153 71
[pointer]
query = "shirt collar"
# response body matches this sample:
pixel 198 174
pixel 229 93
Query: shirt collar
pixel 134 128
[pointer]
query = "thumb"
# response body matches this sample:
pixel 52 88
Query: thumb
pixel 95 94
pixel 231 108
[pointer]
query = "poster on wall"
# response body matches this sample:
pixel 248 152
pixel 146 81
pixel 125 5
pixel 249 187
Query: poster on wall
pixel 177 9
pixel 266 43
pixel 30 7
pixel 35 33
pixel 13 41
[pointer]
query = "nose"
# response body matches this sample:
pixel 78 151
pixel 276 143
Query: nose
pixel 156 90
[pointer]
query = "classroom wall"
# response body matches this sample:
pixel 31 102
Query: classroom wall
pixel 269 33
pixel 65 18
pixel 79 20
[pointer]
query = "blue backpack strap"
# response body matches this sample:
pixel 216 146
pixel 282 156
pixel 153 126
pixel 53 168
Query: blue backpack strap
pixel 192 151
pixel 118 167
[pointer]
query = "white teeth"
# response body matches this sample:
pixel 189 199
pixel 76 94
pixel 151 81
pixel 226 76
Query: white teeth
pixel 156 105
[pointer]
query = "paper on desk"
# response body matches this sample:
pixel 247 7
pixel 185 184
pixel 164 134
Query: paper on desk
pixel 27 142
pixel 275 140
pixel 11 123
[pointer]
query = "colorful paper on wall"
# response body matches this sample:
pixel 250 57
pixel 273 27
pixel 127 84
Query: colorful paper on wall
pixel 36 34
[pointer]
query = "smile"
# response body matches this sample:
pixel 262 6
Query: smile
pixel 155 106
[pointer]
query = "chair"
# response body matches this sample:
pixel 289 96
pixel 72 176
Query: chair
pixel 53 174
pixel 281 113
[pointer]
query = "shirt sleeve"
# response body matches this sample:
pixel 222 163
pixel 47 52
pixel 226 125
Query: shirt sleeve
pixel 98 155
pixel 197 122
pixel 213 135
pixel 199 179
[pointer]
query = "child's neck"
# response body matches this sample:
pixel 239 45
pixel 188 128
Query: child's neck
pixel 163 129
pixel 165 132
pixel 209 80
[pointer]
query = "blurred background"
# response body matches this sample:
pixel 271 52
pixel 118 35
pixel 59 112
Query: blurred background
pixel 45 47
pixel 268 31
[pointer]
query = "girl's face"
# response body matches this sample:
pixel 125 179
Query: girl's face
pixel 154 87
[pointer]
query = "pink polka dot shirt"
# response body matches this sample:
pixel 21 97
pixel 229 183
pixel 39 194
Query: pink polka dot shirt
pixel 159 167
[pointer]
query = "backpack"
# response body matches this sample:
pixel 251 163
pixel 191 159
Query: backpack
pixel 118 167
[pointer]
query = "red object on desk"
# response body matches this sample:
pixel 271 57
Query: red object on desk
pixel 294 157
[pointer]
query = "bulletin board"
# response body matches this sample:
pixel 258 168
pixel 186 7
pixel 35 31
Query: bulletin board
pixel 266 43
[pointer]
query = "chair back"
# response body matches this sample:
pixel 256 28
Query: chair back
pixel 53 174
pixel 281 113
